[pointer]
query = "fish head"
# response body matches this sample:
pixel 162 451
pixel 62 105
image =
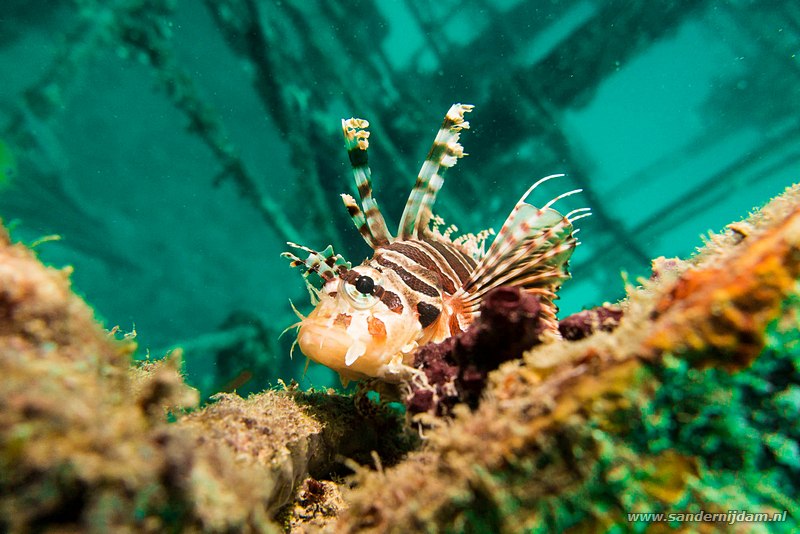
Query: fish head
pixel 360 327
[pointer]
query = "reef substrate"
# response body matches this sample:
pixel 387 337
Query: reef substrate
pixel 689 403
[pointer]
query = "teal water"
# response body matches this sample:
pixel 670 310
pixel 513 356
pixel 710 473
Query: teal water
pixel 118 119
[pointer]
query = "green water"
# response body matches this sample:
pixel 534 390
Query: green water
pixel 118 118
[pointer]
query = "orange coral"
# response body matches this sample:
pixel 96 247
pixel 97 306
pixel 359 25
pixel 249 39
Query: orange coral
pixel 727 306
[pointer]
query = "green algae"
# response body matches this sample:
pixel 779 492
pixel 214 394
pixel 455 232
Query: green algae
pixel 706 440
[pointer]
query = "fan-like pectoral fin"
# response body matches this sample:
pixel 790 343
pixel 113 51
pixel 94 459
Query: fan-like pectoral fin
pixel 531 251
pixel 444 153
pixel 533 243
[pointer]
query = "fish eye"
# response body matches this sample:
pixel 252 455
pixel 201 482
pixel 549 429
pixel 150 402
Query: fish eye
pixel 364 284
pixel 359 292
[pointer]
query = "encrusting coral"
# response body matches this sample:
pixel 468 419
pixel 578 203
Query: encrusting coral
pixel 510 322
pixel 681 398
pixel 585 323
pixel 456 369
pixel 84 442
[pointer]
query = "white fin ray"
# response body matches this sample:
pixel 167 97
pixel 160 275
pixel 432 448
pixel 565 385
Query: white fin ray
pixel 528 213
pixel 524 222
pixel 444 153
pixel 559 197
pixel 536 261
pixel 570 216
pixel 531 250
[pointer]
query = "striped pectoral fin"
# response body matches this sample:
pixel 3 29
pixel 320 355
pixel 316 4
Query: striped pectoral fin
pixel 356 141
pixel 526 267
pixel 531 251
pixel 523 220
pixel 444 153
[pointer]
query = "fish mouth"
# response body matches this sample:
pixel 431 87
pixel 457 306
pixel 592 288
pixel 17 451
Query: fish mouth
pixel 322 343
pixel 333 347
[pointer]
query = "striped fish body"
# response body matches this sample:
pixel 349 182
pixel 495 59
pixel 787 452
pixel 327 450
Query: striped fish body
pixel 420 286
pixel 374 333
pixel 428 274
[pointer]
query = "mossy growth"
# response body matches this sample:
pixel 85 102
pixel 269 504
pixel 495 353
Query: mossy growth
pixel 690 440
pixel 353 429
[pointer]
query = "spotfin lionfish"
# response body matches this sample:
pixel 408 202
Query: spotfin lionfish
pixel 420 286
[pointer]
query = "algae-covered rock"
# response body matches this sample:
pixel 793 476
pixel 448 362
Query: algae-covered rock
pixel 85 442
pixel 74 448
pixel 681 399
pixel 665 414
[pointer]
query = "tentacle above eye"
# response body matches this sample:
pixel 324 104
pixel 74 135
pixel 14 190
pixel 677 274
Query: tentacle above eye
pixel 444 153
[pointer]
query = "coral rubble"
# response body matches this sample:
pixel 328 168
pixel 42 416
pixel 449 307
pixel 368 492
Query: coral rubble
pixel 681 398
pixel 585 323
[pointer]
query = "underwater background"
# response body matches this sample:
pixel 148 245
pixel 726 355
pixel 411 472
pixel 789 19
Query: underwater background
pixel 173 147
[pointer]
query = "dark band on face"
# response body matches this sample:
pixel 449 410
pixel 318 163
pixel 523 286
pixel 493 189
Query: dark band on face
pixel 392 300
pixel 409 279
pixel 428 313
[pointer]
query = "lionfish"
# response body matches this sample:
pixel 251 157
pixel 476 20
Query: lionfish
pixel 421 286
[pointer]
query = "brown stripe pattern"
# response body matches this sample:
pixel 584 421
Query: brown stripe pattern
pixel 462 264
pixel 413 282
pixel 425 272
pixel 414 253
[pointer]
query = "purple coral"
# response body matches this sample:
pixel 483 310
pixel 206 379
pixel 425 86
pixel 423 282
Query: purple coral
pixel 583 324
pixel 456 369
